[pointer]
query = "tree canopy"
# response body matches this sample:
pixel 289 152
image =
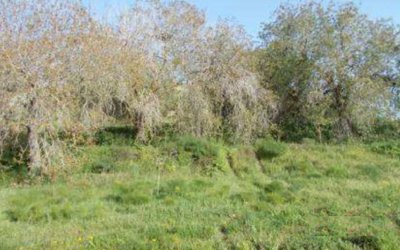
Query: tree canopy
pixel 321 72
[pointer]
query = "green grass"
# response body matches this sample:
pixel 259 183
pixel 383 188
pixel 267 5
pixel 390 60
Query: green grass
pixel 269 148
pixel 163 197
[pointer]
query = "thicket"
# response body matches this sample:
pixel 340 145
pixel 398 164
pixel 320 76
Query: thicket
pixel 161 70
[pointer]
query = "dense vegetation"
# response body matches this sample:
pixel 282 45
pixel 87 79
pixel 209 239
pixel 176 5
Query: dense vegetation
pixel 326 73
pixel 160 131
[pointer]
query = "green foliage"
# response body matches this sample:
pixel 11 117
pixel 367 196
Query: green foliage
pixel 269 148
pixel 116 136
pixel 318 97
pixel 320 76
pixel 296 128
pixel 13 166
pixel 384 129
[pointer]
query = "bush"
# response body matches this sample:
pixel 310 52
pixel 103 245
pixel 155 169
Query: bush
pixel 384 129
pixel 269 149
pixel 116 136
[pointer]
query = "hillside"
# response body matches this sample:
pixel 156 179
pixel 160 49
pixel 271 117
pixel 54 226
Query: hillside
pixel 196 194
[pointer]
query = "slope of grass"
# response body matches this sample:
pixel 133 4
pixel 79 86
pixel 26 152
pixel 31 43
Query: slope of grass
pixel 176 195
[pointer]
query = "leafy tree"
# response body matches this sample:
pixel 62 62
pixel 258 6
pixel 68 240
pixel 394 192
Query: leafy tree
pixel 328 66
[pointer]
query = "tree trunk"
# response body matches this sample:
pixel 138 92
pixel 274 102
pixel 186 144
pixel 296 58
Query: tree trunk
pixel 35 159
pixel 344 128
pixel 139 124
pixel 319 133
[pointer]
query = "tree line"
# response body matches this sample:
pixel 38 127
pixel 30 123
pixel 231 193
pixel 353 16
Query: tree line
pixel 322 72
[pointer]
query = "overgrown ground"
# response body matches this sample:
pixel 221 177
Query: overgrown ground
pixel 197 194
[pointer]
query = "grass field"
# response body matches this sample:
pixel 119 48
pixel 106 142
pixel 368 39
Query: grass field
pixel 197 194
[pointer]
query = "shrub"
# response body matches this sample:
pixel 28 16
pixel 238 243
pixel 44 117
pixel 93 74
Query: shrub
pixel 269 149
pixel 383 129
pixel 116 136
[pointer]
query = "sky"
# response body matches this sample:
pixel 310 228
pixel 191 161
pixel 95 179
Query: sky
pixel 251 13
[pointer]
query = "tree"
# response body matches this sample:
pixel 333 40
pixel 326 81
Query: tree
pixel 327 65
pixel 57 74
pixel 199 74
pixel 36 45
